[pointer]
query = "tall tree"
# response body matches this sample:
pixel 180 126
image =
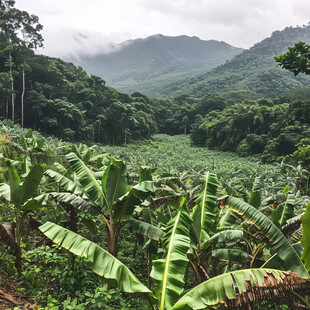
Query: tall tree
pixel 19 32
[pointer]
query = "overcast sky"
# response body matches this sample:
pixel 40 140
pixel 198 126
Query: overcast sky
pixel 89 26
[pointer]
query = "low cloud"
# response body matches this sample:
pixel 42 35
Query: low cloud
pixel 69 43
pixel 79 26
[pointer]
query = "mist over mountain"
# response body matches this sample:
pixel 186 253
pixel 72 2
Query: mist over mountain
pixel 148 65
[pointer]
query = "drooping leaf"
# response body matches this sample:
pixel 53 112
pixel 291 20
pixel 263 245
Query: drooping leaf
pixel 225 237
pixel 86 179
pixel 14 181
pixel 124 206
pixel 277 240
pixel 205 211
pixel 87 156
pixel 31 183
pixel 228 220
pixel 104 264
pixel 288 209
pixel 35 202
pixel 256 194
pixel 243 288
pixel 289 229
pixel 145 174
pixel 65 183
pixel 231 255
pixel 62 199
pixel 168 271
pixel 274 200
pixel 145 229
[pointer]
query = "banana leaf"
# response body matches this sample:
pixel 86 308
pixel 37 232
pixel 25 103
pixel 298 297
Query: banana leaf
pixel 61 198
pixel 228 220
pixel 242 288
pixel 145 174
pixel 124 206
pixel 104 264
pixel 65 183
pixel 86 178
pixel 256 194
pixel 145 229
pixel 205 212
pixel 288 209
pixel 274 200
pixel 225 237
pixel 14 182
pixel 31 183
pixel 114 182
pixel 231 255
pixel 277 240
pixel 168 271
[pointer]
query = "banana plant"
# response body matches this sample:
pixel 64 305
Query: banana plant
pixel 236 289
pixel 110 197
pixel 277 242
pixel 17 193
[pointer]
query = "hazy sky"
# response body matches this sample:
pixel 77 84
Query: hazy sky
pixel 88 26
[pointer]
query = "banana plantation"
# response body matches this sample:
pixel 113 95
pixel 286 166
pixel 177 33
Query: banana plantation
pixel 160 226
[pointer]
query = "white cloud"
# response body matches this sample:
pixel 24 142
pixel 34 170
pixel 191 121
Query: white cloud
pixel 238 22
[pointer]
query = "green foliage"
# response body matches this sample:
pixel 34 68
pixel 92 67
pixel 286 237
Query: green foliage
pixel 296 59
pixel 302 154
pixel 251 129
pixel 71 281
pixel 279 244
pixel 177 168
pixel 252 70
pixel 119 276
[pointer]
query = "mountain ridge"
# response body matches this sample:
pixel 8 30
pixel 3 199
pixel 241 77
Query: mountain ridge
pixel 253 69
pixel 147 64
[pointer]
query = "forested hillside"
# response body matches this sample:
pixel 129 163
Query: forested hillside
pixel 60 99
pixel 253 70
pixel 146 65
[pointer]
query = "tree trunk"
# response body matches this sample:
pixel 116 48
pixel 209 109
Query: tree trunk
pixel 113 238
pixel 7 109
pixel 72 215
pixel 149 279
pixel 12 88
pixel 18 232
pixel 22 98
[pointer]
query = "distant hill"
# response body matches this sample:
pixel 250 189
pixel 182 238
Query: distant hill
pixel 253 69
pixel 148 65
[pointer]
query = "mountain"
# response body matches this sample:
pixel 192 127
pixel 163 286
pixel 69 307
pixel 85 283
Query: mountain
pixel 254 70
pixel 147 65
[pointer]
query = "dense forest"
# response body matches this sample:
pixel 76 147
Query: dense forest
pixel 198 199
